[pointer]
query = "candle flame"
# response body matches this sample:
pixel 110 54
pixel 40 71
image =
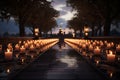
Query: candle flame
pixel 8 70
pixel 110 52
pixel 8 50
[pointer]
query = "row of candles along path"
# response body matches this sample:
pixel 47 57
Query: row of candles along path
pixel 30 45
pixel 97 47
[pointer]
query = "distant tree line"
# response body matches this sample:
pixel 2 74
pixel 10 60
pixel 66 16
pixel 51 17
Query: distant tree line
pixel 29 13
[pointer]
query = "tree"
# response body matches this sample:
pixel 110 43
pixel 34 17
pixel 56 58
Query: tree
pixel 76 24
pixel 28 12
pixel 97 12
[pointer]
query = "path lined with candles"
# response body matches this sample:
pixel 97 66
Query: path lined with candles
pixel 61 62
pixel 15 57
pixel 102 55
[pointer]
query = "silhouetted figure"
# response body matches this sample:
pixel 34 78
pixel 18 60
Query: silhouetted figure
pixel 61 36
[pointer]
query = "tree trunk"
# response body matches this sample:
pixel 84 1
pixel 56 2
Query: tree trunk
pixel 93 31
pixel 107 26
pixel 21 27
pixel 107 20
pixel 75 32
pixel 100 30
pixel 81 33
pixel 40 33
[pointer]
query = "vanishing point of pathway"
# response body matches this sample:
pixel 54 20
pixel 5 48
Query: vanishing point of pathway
pixel 60 62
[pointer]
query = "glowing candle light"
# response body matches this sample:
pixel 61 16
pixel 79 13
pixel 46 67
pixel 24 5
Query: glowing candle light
pixel 118 48
pixel 32 48
pixel 84 46
pixel 8 55
pixel 22 49
pixel 8 70
pixel 17 47
pixel 108 46
pixel 110 56
pixel 97 62
pixel 90 48
pixel 22 60
pixel 97 51
pixel 10 47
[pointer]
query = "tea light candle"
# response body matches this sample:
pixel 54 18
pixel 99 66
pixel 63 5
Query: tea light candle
pixel 8 55
pixel 108 46
pixel 97 50
pixel 17 47
pixel 118 48
pixel 17 55
pixel 10 47
pixel 84 46
pixel 32 47
pixel 26 45
pixel 22 49
pixel 110 56
pixel 90 48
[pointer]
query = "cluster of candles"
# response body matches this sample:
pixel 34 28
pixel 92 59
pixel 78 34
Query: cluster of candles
pixel 29 45
pixel 97 47
pixel 98 51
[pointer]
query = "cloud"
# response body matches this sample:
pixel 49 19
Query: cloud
pixel 59 7
pixel 68 16
pixel 65 12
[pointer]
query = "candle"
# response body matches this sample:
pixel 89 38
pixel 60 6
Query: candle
pixel 26 45
pixel 32 47
pixel 17 47
pixel 110 56
pixel 108 46
pixel 118 48
pixel 8 55
pixel 10 47
pixel 37 45
pixel 84 46
pixel 90 48
pixel 97 50
pixel 22 49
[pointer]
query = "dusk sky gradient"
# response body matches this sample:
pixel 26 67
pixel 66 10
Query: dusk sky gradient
pixel 66 13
